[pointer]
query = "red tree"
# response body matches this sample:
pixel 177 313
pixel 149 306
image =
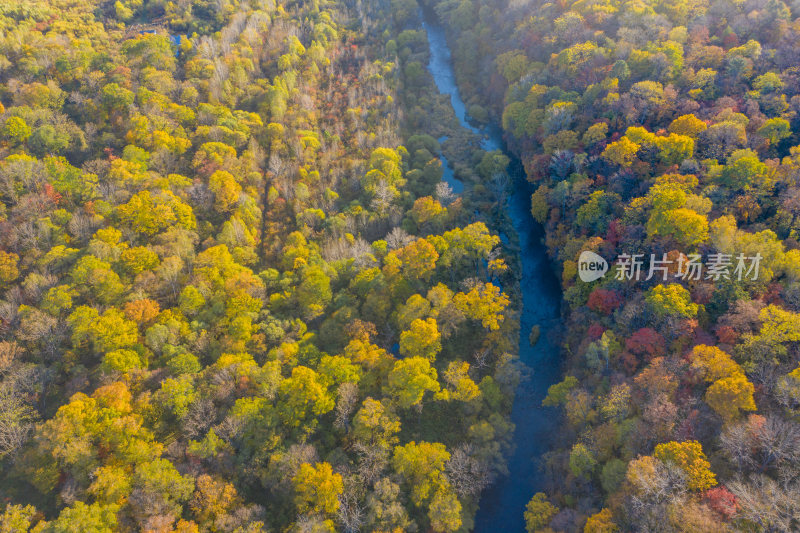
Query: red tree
pixel 646 343
pixel 604 301
pixel 722 501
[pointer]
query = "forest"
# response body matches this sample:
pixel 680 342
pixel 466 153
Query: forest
pixel 670 128
pixel 237 294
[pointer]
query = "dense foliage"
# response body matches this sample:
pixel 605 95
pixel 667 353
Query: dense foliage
pixel 659 127
pixel 236 295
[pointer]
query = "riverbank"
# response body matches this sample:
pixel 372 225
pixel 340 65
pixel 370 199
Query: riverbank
pixel 503 504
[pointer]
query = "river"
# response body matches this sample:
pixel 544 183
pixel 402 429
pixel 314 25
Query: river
pixel 502 505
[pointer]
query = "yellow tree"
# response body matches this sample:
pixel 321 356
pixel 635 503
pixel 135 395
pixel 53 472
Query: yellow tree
pixel 689 457
pixel 317 488
pixel 728 396
pixel 422 339
pixel 600 523
pixel 621 152
pixel 410 379
pixel 730 391
pixel 539 512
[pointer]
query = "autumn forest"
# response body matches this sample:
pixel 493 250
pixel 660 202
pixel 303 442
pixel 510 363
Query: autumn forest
pixel 258 274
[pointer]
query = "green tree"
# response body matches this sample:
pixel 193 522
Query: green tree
pixel 581 461
pixel 774 130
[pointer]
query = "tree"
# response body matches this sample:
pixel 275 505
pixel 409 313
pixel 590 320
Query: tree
pixel 422 339
pixel 721 500
pixel 16 130
pixel 16 518
pixel 713 363
pixel 539 206
pixel 110 484
pixel 621 152
pixel 410 379
pixel 158 490
pixel 688 125
pixel 8 267
pixel 730 395
pixel 225 188
pixel 674 148
pixel 385 167
pixel 107 332
pixel 376 424
pixel 385 511
pixel 671 300
pixel 97 278
pixel 730 391
pixel 601 522
pixel 686 226
pixel 314 291
pixel 213 499
pixel 150 214
pixel 485 303
pixel 539 512
pixel 557 393
pixel 581 461
pixel 743 170
pixel 426 210
pixel 82 518
pixel 646 342
pixel 604 301
pixel 418 259
pixel 317 488
pixel 460 386
pixel 671 214
pixel 445 511
pixel 422 466
pixel 775 130
pixel 597 211
pixel 689 457
pixel 595 133
pixel 303 397
pixel 122 361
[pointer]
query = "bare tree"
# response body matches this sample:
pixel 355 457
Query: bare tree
pixel 16 421
pixel 771 506
pixel 198 419
pixel 383 198
pixel 345 404
pixel 468 474
pixel 444 193
pixel 761 444
pixel 350 513
pixel 397 238
pixel 372 461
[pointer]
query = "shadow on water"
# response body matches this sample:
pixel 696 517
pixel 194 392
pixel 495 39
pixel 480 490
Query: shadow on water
pixel 502 505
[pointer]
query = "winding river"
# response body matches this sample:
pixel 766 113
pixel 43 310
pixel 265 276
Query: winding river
pixel 502 505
